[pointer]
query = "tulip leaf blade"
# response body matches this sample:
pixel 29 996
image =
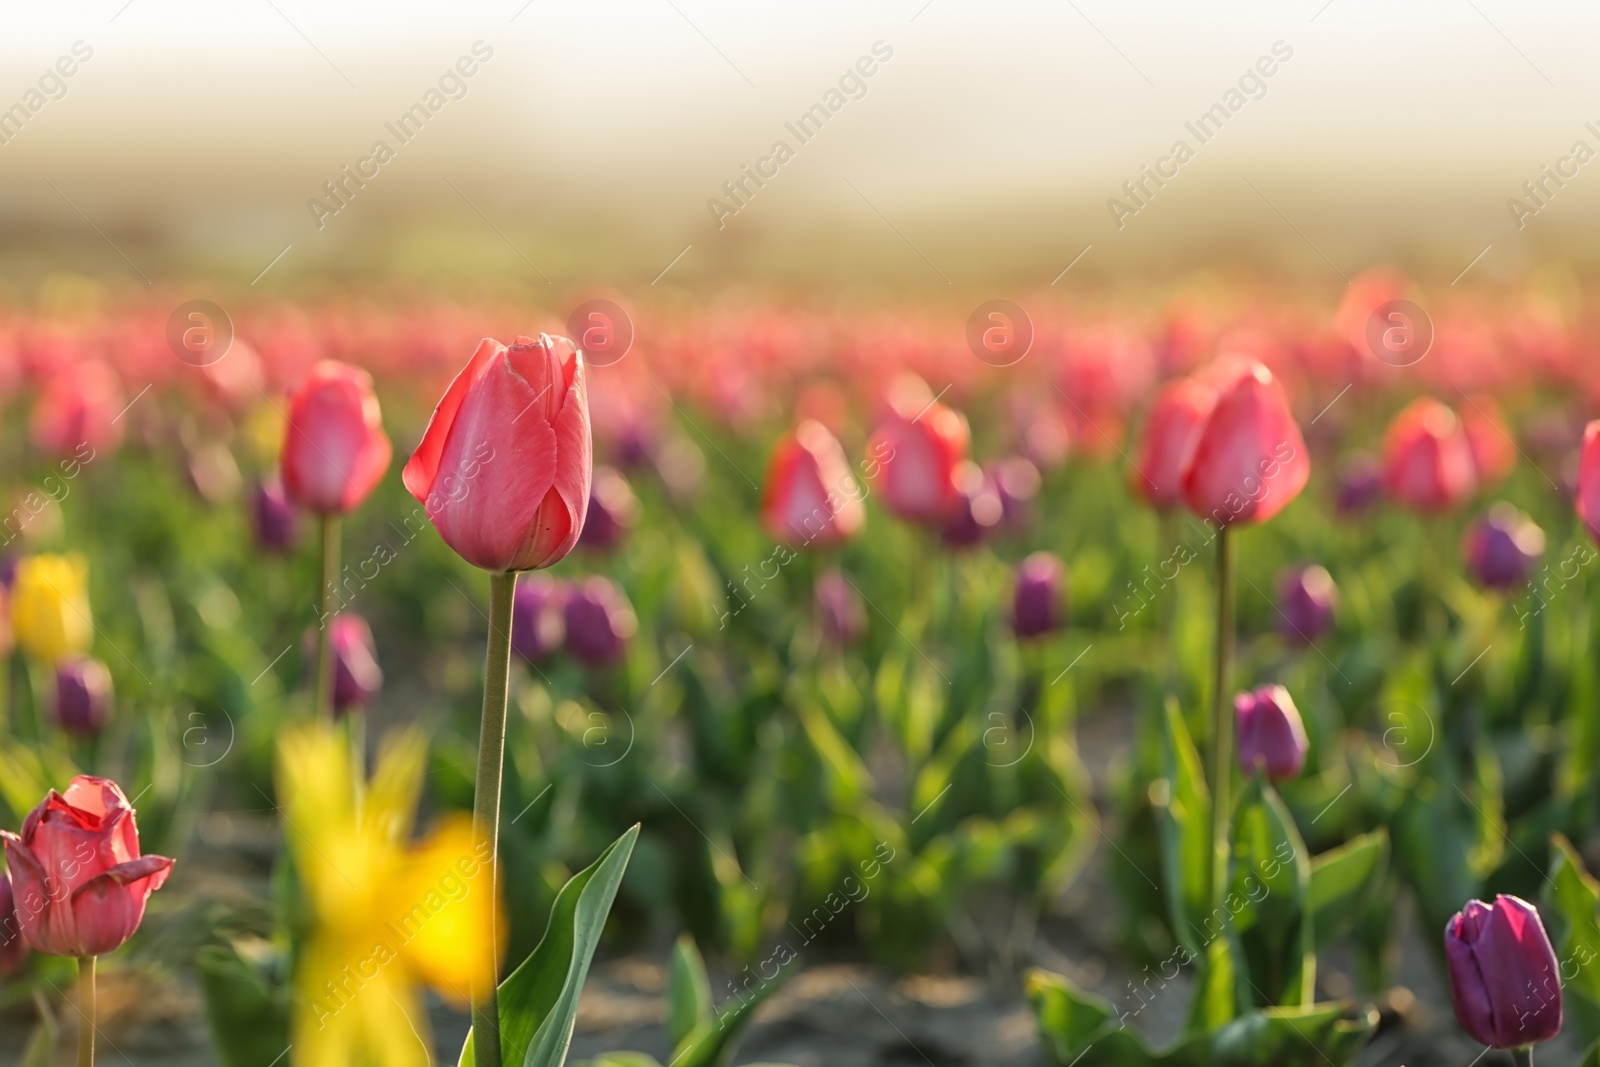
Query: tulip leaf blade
pixel 1185 820
pixel 1572 903
pixel 711 1042
pixel 1266 906
pixel 688 990
pixel 539 1000
pixel 1341 878
pixel 1079 1027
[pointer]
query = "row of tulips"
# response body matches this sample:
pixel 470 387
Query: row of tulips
pixel 504 474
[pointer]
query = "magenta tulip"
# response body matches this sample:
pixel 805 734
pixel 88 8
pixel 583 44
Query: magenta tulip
pixel 1504 980
pixel 1271 735
pixel 334 448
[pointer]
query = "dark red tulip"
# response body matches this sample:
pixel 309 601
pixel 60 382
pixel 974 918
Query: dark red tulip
pixel 1307 598
pixel 334 449
pixel 538 617
pixel 599 622
pixel 1588 495
pixel 83 695
pixel 840 612
pixel 1037 603
pixel 1250 460
pixel 1360 484
pixel 275 518
pixel 505 466
pixel 1502 547
pixel 916 452
pixel 977 510
pixel 1271 735
pixel 79 881
pixel 811 497
pixel 1427 459
pixel 1166 445
pixel 1504 979
pixel 612 511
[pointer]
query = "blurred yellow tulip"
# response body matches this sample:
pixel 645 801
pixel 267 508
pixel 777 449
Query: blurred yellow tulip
pixel 50 615
pixel 385 914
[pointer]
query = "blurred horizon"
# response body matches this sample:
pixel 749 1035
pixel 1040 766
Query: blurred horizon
pixel 983 149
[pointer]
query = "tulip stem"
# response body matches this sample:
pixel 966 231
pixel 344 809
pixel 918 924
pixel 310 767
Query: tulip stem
pixel 1522 1057
pixel 1222 720
pixel 86 1011
pixel 486 792
pixel 322 693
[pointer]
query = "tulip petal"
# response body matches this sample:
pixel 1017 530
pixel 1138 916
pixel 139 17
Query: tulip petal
pixel 423 466
pixel 108 908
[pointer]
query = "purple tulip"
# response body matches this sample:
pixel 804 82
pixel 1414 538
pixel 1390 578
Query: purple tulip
pixel 538 617
pixel 599 622
pixel 1360 484
pixel 1501 547
pixel 976 511
pixel 8 569
pixel 840 613
pixel 1017 481
pixel 1504 980
pixel 83 696
pixel 1307 598
pixel 1036 605
pixel 12 948
pixel 612 510
pixel 1271 735
pixel 276 520
pixel 356 674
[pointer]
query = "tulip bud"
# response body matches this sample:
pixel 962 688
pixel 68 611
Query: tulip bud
pixel 78 406
pixel 1306 601
pixel 599 622
pixel 1250 460
pixel 1504 980
pixel 1426 458
pixel 334 448
pixel 1588 497
pixel 811 498
pixel 13 950
pixel 538 617
pixel 1171 431
pixel 275 519
pixel 1270 733
pixel 1037 605
pixel 50 607
pixel 612 511
pixel 1360 485
pixel 79 881
pixel 977 509
pixel 916 452
pixel 840 613
pixel 1502 547
pixel 505 466
pixel 83 695
pixel 356 674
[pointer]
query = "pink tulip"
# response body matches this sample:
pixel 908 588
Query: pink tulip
pixel 504 469
pixel 1589 479
pixel 79 405
pixel 917 453
pixel 13 950
pixel 79 880
pixel 811 496
pixel 1494 455
pixel 1250 460
pixel 1427 459
pixel 334 448
pixel 1171 431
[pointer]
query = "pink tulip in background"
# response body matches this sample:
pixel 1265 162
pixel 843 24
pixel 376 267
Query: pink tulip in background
pixel 1250 460
pixel 1427 457
pixel 334 449
pixel 811 496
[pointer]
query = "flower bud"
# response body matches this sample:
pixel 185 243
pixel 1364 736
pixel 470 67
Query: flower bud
pixel 1271 735
pixel 612 511
pixel 356 674
pixel 1501 548
pixel 50 607
pixel 1588 496
pixel 1427 459
pixel 1504 980
pixel 538 616
pixel 1037 606
pixel 811 498
pixel 83 695
pixel 334 449
pixel 976 511
pixel 916 452
pixel 599 622
pixel 1250 460
pixel 1360 485
pixel 840 613
pixel 1307 598
pixel 275 518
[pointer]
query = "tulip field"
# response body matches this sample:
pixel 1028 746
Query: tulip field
pixel 1195 677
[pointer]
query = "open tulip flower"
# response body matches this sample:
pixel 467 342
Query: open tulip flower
pixel 386 914
pixel 334 449
pixel 505 466
pixel 76 872
pixel 1504 979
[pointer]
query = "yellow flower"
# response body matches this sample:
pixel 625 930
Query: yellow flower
pixel 50 607
pixel 385 914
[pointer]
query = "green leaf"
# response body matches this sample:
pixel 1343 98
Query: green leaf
pixel 688 990
pixel 246 1003
pixel 1078 1028
pixel 1571 905
pixel 539 1000
pixel 621 1059
pixel 712 1042
pixel 1271 879
pixel 41 1049
pixel 1317 1036
pixel 1185 820
pixel 1341 880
